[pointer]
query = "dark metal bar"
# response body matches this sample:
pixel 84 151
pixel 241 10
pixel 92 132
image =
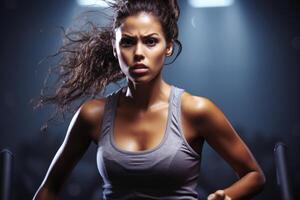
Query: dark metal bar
pixel 282 171
pixel 6 159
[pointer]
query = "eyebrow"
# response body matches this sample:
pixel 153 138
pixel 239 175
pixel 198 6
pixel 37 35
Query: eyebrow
pixel 128 35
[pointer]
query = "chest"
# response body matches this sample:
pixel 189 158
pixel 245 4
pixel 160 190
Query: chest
pixel 137 131
pixel 172 164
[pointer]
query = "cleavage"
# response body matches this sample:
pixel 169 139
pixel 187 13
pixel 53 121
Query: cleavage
pixel 136 132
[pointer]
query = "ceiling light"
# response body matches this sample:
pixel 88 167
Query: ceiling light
pixel 92 3
pixel 210 3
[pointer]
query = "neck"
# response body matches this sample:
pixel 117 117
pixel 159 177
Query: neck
pixel 145 96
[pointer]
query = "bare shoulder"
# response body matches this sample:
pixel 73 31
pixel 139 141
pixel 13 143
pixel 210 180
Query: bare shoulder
pixel 206 116
pixel 92 110
pixel 90 115
pixel 196 107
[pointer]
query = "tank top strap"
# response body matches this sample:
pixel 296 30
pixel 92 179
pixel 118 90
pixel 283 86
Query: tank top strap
pixel 108 115
pixel 177 123
pixel 176 97
pixel 175 111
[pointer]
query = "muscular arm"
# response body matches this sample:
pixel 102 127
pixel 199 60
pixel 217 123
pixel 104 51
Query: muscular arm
pixel 83 126
pixel 212 125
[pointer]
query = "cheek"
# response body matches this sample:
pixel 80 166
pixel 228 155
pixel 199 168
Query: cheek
pixel 124 58
pixel 157 56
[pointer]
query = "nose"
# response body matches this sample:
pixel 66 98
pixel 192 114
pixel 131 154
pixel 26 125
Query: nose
pixel 138 53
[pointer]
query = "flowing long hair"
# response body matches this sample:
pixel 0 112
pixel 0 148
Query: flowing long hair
pixel 86 62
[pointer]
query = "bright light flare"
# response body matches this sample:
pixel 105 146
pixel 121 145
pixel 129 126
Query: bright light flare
pixel 92 3
pixel 210 3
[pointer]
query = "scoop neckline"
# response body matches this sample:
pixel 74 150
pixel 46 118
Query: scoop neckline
pixel 166 132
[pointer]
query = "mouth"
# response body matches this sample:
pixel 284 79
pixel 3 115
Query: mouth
pixel 139 66
pixel 139 69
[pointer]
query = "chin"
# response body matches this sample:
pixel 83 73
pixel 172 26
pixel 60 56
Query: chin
pixel 145 79
pixel 140 80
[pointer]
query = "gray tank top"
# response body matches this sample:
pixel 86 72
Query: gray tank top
pixel 168 171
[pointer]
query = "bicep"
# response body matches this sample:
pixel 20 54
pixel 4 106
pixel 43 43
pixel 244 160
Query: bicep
pixel 75 144
pixel 222 137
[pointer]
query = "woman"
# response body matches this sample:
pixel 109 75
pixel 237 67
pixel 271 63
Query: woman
pixel 149 133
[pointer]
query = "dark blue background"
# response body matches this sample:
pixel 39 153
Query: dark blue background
pixel 245 58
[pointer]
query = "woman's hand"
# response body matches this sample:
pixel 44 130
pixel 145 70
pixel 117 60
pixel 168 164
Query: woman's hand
pixel 218 195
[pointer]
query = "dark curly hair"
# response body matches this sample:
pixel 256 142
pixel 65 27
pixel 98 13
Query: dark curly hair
pixel 87 64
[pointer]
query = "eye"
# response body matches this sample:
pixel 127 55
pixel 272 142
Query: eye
pixel 151 41
pixel 126 42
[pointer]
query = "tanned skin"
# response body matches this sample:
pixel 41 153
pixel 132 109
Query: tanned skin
pixel 142 108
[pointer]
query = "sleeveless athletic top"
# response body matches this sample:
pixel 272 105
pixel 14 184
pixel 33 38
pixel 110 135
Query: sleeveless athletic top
pixel 168 171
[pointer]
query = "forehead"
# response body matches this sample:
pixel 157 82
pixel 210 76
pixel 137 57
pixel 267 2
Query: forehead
pixel 140 24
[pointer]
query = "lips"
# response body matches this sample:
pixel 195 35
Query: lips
pixel 139 69
pixel 138 66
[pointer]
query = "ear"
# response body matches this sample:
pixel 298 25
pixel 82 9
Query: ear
pixel 169 50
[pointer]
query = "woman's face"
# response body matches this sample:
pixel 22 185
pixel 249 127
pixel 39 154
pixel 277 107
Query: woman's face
pixel 141 47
